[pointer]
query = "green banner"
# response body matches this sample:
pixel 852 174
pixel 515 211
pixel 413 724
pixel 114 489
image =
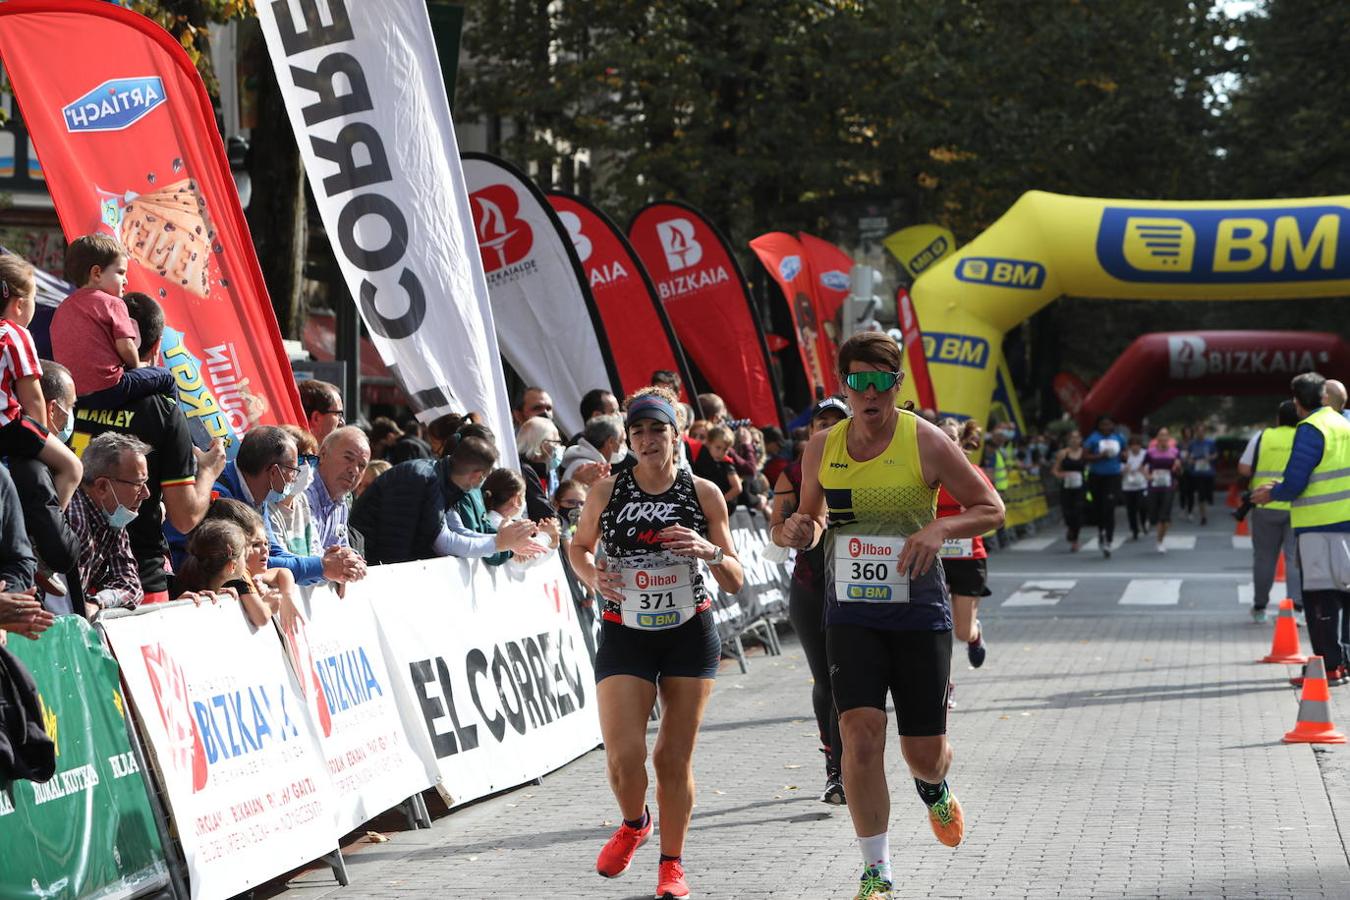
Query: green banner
pixel 88 832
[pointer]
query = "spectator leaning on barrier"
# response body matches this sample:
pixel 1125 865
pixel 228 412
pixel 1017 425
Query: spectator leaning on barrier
pixel 541 452
pixel 342 461
pixel 216 566
pixel 289 517
pixel 1316 484
pixel 422 509
pixel 1264 461
pixel 181 475
pixel 53 541
pixel 322 403
pixel 111 493
pixel 275 587
pixel 600 446
pixel 264 473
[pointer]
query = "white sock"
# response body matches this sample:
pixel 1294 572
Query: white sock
pixel 876 853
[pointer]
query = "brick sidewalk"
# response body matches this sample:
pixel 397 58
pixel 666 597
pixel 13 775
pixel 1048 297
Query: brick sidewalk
pixel 1129 756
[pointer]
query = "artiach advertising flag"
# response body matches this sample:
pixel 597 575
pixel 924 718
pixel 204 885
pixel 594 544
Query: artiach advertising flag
pixel 830 268
pixel 127 139
pixel 785 261
pixel 705 296
pixel 641 339
pixel 547 324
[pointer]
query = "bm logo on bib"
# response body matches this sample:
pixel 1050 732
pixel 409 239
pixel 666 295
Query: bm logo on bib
pixel 1227 246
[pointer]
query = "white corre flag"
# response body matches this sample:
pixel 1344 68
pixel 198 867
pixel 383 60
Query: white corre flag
pixel 363 90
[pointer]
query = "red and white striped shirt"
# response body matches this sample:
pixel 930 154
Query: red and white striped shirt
pixel 18 359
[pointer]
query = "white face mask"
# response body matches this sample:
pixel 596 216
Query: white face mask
pixel 304 479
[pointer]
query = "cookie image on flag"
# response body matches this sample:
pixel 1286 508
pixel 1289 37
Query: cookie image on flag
pixel 169 232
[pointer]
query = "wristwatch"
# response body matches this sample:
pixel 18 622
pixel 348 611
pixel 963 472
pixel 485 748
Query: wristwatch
pixel 717 557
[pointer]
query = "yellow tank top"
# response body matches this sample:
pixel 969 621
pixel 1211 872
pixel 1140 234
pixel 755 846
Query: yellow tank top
pixel 883 496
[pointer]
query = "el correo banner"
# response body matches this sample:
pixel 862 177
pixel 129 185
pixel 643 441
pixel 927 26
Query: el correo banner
pixel 234 740
pixel 89 831
pixel 491 662
pixel 363 89
pixel 335 650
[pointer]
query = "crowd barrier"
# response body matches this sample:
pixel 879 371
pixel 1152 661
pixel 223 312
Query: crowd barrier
pixel 762 601
pixel 1024 499
pixel 268 744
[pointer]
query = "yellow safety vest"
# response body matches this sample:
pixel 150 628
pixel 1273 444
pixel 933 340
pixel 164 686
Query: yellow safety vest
pixel 1271 457
pixel 1326 499
pixel 1000 470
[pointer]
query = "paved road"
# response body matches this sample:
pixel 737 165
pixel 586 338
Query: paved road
pixel 1119 742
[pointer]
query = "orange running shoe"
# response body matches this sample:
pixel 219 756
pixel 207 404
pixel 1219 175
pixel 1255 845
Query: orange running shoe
pixel 618 851
pixel 947 820
pixel 670 881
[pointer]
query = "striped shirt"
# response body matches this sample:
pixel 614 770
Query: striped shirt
pixel 18 359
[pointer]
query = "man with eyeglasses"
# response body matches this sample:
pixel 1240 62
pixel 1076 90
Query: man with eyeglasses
pixel 114 486
pixel 322 403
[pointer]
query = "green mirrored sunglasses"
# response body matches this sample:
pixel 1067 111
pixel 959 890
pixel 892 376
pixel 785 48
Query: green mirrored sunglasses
pixel 861 381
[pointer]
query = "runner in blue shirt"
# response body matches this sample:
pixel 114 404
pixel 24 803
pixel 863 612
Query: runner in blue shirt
pixel 1202 454
pixel 1102 449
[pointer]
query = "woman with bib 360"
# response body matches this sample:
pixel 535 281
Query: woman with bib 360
pixel 869 490
pixel 655 525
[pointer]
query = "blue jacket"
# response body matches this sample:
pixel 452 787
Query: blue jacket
pixel 1309 445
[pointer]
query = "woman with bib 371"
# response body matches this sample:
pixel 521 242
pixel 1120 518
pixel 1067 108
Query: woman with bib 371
pixel 869 489
pixel 655 526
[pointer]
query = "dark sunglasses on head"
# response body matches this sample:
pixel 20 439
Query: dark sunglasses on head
pixel 861 381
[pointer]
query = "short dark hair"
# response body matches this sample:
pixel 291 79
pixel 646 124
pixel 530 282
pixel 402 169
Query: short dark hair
pixel 593 401
pixel 383 427
pixel 51 380
pixel 1307 389
pixel 1287 415
pixel 667 378
pixel 91 250
pixel 318 396
pixel 525 392
pixel 261 447
pixel 148 315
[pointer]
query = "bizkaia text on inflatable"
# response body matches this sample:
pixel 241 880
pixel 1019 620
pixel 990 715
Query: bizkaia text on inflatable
pixel 339 83
pixel 1188 357
pixel 1262 244
pixel 527 683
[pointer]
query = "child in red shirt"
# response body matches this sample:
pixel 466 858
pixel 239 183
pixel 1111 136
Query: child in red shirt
pixel 23 409
pixel 93 334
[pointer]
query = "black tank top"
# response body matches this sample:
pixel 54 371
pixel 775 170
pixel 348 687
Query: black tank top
pixel 1069 464
pixel 631 521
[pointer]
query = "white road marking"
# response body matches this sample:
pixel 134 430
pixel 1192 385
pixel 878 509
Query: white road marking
pixel 1242 542
pixel 1179 542
pixel 1030 545
pixel 1040 593
pixel 1092 546
pixel 1247 592
pixel 1152 592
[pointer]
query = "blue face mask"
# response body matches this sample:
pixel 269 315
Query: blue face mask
pixel 287 490
pixel 66 432
pixel 119 518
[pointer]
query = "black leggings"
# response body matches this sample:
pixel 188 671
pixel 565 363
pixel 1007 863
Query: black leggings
pixel 1137 511
pixel 1071 499
pixel 1104 489
pixel 806 609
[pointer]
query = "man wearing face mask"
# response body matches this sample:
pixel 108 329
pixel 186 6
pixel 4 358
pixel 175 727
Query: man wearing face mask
pixel 265 472
pixel 53 541
pixel 598 451
pixel 111 493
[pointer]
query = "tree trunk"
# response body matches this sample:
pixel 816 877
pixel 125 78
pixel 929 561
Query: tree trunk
pixel 276 214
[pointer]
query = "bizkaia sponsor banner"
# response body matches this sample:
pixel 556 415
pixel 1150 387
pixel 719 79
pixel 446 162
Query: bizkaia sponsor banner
pixel 706 299
pixel 233 740
pixel 547 323
pixel 830 268
pixel 641 339
pixel 129 146
pixel 335 650
pixel 363 89
pixel 916 353
pixel 492 666
pixel 783 257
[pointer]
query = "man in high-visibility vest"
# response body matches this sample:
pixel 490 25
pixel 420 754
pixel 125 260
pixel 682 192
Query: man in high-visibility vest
pixel 1264 462
pixel 1316 484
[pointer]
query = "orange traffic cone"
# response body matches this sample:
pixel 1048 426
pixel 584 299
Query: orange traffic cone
pixel 1241 530
pixel 1279 569
pixel 1234 496
pixel 1284 648
pixel 1314 710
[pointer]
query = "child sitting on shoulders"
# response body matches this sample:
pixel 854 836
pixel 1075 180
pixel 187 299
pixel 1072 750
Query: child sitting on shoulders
pixel 94 336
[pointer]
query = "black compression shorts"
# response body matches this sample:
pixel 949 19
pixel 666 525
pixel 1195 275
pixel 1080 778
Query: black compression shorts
pixel 914 666
pixel 967 577
pixel 693 650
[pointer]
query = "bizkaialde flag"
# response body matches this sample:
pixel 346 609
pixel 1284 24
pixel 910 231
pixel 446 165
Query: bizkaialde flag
pixel 547 324
pixel 708 303
pixel 641 339
pixel 128 142
pixel 362 85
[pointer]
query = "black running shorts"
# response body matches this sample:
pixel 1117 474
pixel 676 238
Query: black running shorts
pixel 693 650
pixel 967 577
pixel 914 666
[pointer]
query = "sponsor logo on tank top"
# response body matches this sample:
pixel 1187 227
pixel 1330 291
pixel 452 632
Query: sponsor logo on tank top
pixel 838 465
pixel 647 510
